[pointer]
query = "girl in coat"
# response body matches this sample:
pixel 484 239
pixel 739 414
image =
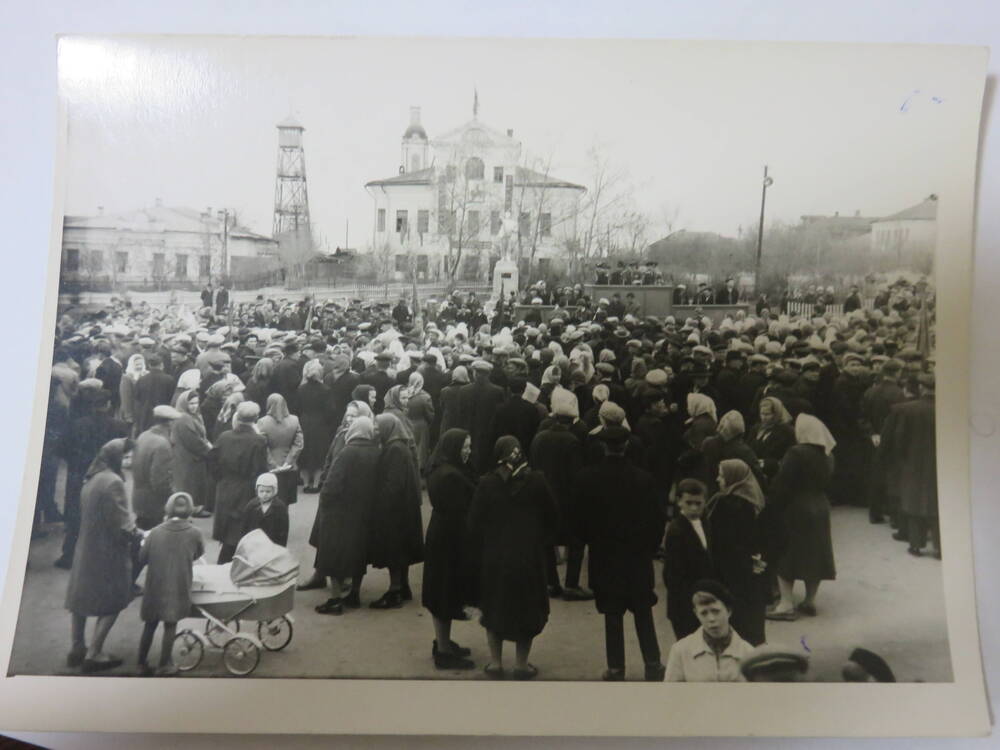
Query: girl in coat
pixel 285 441
pixel 449 576
pixel 396 529
pixel 315 404
pixel 240 456
pixel 345 501
pixel 513 518
pixel 168 551
pixel 267 512
pixel 100 584
pixel 420 412
pixel 799 496
pixel 735 546
pixel 191 449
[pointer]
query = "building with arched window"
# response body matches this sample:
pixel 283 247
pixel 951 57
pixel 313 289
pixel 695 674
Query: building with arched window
pixel 462 200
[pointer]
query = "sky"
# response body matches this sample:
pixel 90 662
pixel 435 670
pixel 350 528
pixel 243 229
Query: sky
pixel 192 121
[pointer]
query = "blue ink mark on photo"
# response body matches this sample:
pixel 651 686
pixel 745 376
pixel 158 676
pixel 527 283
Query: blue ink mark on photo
pixel 802 640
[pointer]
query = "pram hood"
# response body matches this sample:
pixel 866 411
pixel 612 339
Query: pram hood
pixel 260 562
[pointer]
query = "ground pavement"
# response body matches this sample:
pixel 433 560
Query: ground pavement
pixel 883 599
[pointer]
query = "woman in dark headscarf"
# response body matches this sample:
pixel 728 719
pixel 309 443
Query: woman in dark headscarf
pixel 100 584
pixel 449 575
pixel 736 547
pixel 366 393
pixel 451 403
pixel 396 539
pixel 513 517
pixel 315 404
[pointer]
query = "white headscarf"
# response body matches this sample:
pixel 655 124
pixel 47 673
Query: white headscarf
pixel 811 431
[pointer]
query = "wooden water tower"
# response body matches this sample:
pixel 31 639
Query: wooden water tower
pixel 291 197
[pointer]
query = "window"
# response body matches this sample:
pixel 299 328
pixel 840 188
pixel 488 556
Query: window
pixel 381 220
pixel 159 259
pixel 182 266
pixel 402 263
pixel 446 221
pixel 423 221
pixel 494 223
pixel 414 162
pixel 121 261
pixel 96 261
pixel 72 259
pixel 473 223
pixel 204 266
pixel 546 224
pixel 498 174
pixel 474 168
pixel 401 222
pixel 422 264
pixel 524 224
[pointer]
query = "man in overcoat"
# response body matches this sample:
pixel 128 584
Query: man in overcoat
pixel 152 469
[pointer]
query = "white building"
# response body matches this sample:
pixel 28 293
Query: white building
pixel 465 199
pixel 913 230
pixel 157 247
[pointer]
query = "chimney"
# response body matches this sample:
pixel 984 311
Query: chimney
pixel 159 202
pixel 100 210
pixel 414 115
pixel 510 132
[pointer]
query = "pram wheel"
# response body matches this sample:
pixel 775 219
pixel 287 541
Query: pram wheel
pixel 187 650
pixel 241 655
pixel 275 634
pixel 217 636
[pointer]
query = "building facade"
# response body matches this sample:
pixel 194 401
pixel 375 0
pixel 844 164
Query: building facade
pixel 465 199
pixel 913 230
pixel 158 247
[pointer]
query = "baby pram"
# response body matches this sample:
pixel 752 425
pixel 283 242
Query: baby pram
pixel 258 585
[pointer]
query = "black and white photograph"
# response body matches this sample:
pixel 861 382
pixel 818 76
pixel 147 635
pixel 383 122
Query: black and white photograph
pixel 496 361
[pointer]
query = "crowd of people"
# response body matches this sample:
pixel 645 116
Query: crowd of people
pixel 715 447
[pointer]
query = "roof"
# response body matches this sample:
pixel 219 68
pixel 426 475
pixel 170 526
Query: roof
pixel 852 223
pixel 291 122
pixel 417 130
pixel 524 177
pixel 480 129
pixel 420 177
pixel 160 219
pixel 925 210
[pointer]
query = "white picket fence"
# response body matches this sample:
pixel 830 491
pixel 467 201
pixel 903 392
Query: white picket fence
pixel 806 308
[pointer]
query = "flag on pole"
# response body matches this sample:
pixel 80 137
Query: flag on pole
pixel 475 102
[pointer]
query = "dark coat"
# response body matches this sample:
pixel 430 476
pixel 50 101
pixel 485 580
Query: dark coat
pixel 717 450
pixel 274 523
pixel 168 553
pixel 345 502
pixel 733 539
pixel 151 390
pixel 152 475
pixel 558 454
pixel 909 447
pixel 513 521
pixel 191 456
pixel 258 391
pixel 317 424
pixel 687 561
pixel 516 417
pixel 87 435
pixel 110 373
pixel 617 513
pixel 396 538
pixel 479 401
pixel 451 565
pixel 798 498
pixel 451 409
pixel 240 456
pixel 381 382
pixel 286 380
pixel 771 445
pixel 100 582
pixel 340 395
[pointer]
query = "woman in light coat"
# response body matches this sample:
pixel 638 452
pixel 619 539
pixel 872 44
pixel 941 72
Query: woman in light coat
pixel 285 441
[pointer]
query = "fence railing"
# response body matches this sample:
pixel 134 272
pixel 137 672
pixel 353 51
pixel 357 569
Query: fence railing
pixel 808 308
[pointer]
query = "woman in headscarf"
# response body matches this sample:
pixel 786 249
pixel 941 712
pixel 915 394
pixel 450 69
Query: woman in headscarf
pixel 365 393
pixel 702 419
pixel 239 457
pixel 354 410
pixel 512 519
pixel 189 380
pixel 637 377
pixel 396 538
pixel 451 404
pixel 215 397
pixel 728 443
pixel 341 382
pixel 345 501
pixel 314 405
pixel 550 379
pixel 599 395
pixel 134 370
pixel 100 584
pixel 259 387
pixel 798 494
pixel 450 569
pixel 224 421
pixel 774 435
pixel 736 548
pixel 191 450
pixel 285 440
pixel 420 411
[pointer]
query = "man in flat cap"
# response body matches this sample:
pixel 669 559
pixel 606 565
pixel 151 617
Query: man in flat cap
pixel 152 468
pixel 478 402
pixel 379 379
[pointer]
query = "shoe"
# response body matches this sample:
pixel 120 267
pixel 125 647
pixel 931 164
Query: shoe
pixel 405 594
pixel 494 673
pixel 202 514
pixel 613 675
pixel 311 490
pixel 915 552
pixel 655 672
pixel 455 649
pixel 529 673
pixel 330 607
pixel 146 671
pixel 451 661
pixel 786 616
pixel 555 591
pixel 352 600
pixel 75 659
pixel 876 518
pixel 899 536
pixel 316 582
pixel 461 615
pixel 168 670
pixel 806 609
pixel 66 563
pixel 90 666
pixel 577 594
pixel 388 600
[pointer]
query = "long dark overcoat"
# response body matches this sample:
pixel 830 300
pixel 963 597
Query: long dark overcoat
pixel 396 538
pixel 686 561
pixel 240 456
pixel 558 454
pixel 451 565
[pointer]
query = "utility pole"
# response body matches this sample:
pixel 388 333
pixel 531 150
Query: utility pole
pixel 760 231
pixel 223 215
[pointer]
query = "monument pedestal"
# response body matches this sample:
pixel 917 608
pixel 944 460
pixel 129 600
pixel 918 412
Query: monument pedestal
pixel 505 278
